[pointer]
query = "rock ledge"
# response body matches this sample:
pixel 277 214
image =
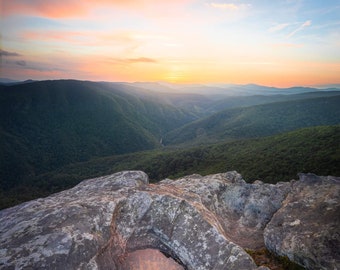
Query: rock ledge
pixel 202 222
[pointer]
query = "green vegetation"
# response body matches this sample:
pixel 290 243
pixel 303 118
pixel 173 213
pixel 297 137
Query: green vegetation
pixel 270 159
pixel 54 134
pixel 259 121
pixel 46 125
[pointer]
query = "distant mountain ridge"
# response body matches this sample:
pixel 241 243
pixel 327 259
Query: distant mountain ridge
pixel 222 89
pixel 260 120
pixel 6 80
pixel 205 100
pixel 211 89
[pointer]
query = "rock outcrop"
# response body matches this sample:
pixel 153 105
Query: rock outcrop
pixel 242 209
pixel 306 228
pixel 201 222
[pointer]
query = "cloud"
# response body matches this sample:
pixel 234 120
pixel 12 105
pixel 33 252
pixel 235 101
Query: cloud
pixel 228 6
pixel 141 60
pixel 45 68
pixel 278 27
pixel 131 60
pixel 301 27
pixel 31 65
pixel 88 37
pixel 75 37
pixel 21 63
pixel 58 9
pixel 307 23
pixel 71 8
pixel 9 54
pixel 46 8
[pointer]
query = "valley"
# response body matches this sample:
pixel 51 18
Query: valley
pixel 53 134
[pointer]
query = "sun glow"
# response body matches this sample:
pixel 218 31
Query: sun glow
pixel 192 42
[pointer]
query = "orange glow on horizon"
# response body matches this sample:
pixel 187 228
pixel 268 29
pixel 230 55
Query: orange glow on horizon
pixel 192 42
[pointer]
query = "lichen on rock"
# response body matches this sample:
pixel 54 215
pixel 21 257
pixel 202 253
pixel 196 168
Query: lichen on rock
pixel 203 222
pixel 306 228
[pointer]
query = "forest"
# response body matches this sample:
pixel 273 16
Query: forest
pixel 57 133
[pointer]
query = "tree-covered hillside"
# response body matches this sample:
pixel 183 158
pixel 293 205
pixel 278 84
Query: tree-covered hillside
pixel 206 103
pixel 45 125
pixel 270 159
pixel 259 121
pixel 224 103
pixel 55 133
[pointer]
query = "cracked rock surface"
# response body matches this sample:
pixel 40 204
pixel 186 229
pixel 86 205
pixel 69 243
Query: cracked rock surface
pixel 202 222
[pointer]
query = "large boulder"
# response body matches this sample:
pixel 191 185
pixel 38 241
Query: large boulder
pixel 306 228
pixel 65 230
pixel 242 209
pixel 97 223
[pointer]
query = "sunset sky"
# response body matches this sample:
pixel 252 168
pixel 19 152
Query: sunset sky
pixel 277 43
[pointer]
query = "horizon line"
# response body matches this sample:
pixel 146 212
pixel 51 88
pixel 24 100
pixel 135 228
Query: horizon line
pixel 216 84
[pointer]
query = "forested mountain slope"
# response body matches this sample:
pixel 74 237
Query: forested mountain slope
pixel 49 127
pixel 247 101
pixel 202 103
pixel 48 124
pixel 271 159
pixel 258 121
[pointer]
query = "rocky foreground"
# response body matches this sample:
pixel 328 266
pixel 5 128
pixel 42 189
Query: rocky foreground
pixel 201 222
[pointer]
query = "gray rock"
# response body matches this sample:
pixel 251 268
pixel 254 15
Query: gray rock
pixel 202 222
pixel 306 228
pixel 95 224
pixel 242 209
pixel 156 218
pixel 65 230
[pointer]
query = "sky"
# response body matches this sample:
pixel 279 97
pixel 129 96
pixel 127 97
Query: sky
pixel 277 43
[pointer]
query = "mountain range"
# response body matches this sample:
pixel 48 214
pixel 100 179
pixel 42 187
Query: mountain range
pixel 260 120
pixel 47 125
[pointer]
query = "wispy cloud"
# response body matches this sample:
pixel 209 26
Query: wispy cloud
pixel 60 8
pixel 229 6
pixel 301 27
pixel 7 53
pixel 73 8
pixel 21 63
pixel 84 38
pixel 141 60
pixel 278 27
pixel 76 37
pixel 136 39
pixel 31 65
pixel 131 60
pixel 46 8
pixel 45 68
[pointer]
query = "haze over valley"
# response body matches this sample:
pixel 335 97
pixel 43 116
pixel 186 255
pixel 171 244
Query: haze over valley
pixel 59 132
